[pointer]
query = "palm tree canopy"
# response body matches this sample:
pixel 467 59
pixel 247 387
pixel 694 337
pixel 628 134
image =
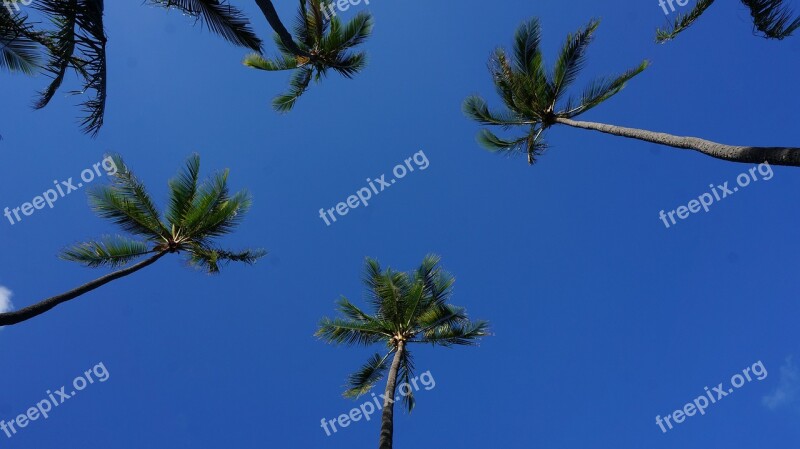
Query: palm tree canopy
pixel 406 307
pixel 198 213
pixel 535 97
pixel 325 44
pixel 771 18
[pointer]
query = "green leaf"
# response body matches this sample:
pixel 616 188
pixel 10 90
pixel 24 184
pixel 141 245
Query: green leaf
pixel 363 380
pixel 111 252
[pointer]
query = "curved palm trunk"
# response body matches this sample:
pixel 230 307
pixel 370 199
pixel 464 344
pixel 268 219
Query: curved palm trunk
pixel 756 155
pixel 275 22
pixel 387 419
pixel 41 307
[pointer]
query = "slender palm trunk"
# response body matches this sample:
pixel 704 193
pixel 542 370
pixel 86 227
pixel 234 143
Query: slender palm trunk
pixel 275 22
pixel 751 155
pixel 387 419
pixel 41 307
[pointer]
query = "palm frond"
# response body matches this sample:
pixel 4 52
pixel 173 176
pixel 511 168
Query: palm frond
pixel 64 15
pixel 354 33
pixel 599 91
pixel 571 59
pixel 440 315
pixel 211 259
pixel 349 332
pixel 257 61
pixel 219 17
pixel 363 380
pixel 110 251
pixel 683 21
pixel 210 196
pixel 404 375
pixel 350 65
pixel 183 189
pixel 477 109
pixel 91 41
pixel 18 52
pixel 461 334
pixel 352 312
pixel 131 191
pixel 527 52
pixel 80 31
pixel 224 218
pixel 297 86
pixel 773 18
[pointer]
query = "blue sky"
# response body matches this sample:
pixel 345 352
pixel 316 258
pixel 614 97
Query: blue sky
pixel 603 318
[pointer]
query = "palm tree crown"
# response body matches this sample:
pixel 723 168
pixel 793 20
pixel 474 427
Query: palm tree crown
pixel 323 43
pixel 535 99
pixel 406 308
pixel 198 213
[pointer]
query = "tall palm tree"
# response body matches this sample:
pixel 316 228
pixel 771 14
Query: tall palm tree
pixel 772 18
pixel 407 308
pixel 77 43
pixel 322 44
pixel 537 100
pixel 198 214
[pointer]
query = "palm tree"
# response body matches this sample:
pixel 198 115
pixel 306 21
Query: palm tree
pixel 197 215
pixel 78 43
pixel 535 100
pixel 772 18
pixel 408 308
pixel 322 43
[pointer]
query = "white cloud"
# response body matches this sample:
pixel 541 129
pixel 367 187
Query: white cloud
pixel 788 389
pixel 5 300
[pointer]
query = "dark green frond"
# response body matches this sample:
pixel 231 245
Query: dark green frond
pixel 773 18
pixel 600 91
pixel 683 21
pixel 527 53
pixel 362 381
pixel 110 251
pixel 219 17
pixel 440 315
pixel 462 334
pixel 211 195
pixel 404 375
pixel 211 259
pixel 571 59
pixel 18 51
pixel 355 33
pixel 182 191
pixel 477 109
pixel 350 65
pixel 257 61
pixel 349 332
pixel 64 15
pixel 132 192
pixel 223 219
pixel 78 43
pixel 297 86
pixel 351 312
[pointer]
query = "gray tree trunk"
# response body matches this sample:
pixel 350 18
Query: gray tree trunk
pixel 387 419
pixel 18 316
pixel 750 155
